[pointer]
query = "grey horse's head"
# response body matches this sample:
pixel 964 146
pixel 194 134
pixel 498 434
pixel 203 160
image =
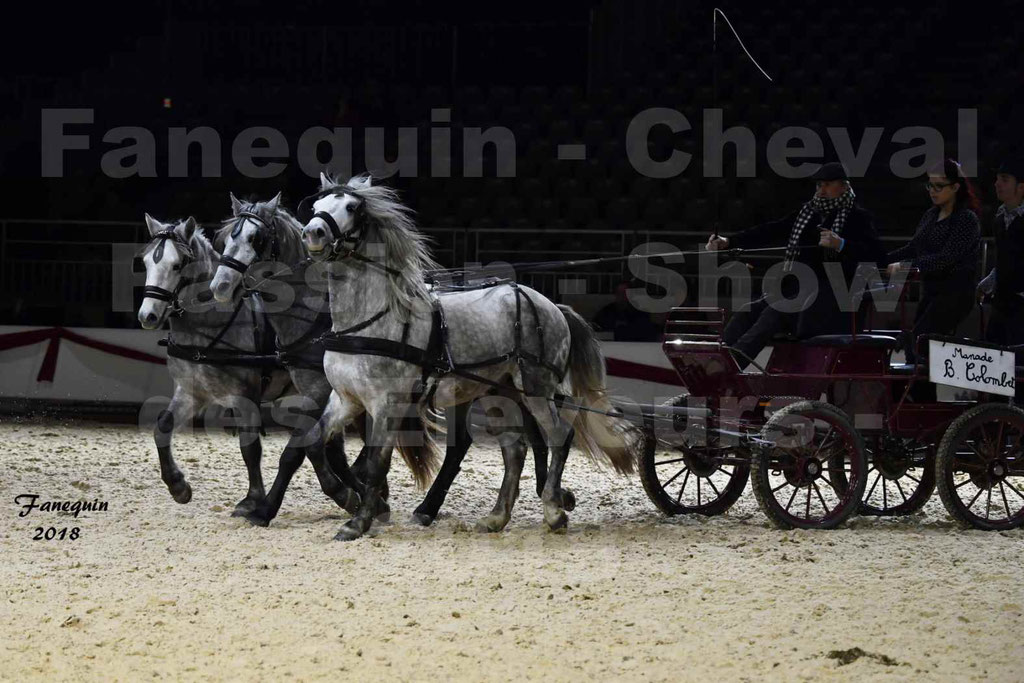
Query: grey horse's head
pixel 166 258
pixel 342 206
pixel 245 233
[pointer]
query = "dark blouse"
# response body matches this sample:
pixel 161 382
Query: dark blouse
pixel 944 249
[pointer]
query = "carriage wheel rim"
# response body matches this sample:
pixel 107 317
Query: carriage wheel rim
pixel 998 487
pixel 811 493
pixel 694 473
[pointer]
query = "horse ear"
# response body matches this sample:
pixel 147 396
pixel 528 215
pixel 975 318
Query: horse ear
pixel 274 203
pixel 153 225
pixel 189 227
pixel 236 205
pixel 325 181
pixel 360 182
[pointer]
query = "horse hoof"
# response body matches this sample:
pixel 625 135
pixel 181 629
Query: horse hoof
pixel 257 519
pixel 181 493
pixel 557 522
pixel 383 514
pixel 348 533
pixel 244 508
pixel 422 518
pixel 568 500
pixel 490 525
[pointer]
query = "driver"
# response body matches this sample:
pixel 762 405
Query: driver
pixel 830 227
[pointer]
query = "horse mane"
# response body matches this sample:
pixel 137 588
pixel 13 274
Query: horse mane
pixel 406 249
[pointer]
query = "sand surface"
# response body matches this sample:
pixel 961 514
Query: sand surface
pixel 152 589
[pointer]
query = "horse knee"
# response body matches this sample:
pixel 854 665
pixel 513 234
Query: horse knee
pixel 165 422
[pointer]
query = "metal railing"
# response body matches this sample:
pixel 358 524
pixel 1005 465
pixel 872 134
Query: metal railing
pixel 62 262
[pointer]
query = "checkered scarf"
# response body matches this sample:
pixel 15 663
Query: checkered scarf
pixel 822 206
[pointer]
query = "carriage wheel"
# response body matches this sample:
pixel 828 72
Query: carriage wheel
pixel 684 479
pixel 901 476
pixel 812 472
pixel 980 467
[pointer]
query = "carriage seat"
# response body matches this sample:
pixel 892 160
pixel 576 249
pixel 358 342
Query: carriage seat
pixel 871 341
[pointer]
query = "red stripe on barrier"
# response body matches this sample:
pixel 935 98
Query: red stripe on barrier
pixel 48 368
pixel 648 373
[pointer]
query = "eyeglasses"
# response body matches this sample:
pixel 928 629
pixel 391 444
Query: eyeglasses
pixel 937 187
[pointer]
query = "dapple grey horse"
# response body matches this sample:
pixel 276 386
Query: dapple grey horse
pixel 179 262
pixel 385 321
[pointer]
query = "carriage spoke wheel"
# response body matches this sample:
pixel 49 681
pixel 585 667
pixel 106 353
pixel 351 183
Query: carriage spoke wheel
pixel 980 467
pixel 901 476
pixel 812 471
pixel 692 478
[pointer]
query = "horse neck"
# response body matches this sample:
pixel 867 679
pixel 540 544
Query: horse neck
pixel 360 295
pixel 198 323
pixel 308 303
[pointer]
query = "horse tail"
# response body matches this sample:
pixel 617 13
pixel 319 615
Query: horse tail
pixel 602 436
pixel 417 448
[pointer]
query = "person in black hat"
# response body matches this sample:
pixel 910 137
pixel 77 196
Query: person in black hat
pixel 1005 284
pixel 830 227
pixel 944 249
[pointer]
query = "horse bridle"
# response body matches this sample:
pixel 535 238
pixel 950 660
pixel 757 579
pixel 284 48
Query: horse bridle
pixel 345 243
pixel 159 293
pixel 259 241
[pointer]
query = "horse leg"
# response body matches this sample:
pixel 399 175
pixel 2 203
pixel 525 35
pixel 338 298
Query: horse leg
pixel 252 454
pixel 178 413
pixel 291 459
pixel 336 481
pixel 557 431
pixel 455 452
pixel 364 425
pixel 378 461
pixel 514 455
pixel 540 459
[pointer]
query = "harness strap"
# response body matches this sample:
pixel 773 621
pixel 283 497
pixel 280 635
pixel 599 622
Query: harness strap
pixel 359 326
pixel 234 264
pixel 159 293
pixel 208 356
pixel 373 346
pixel 227 325
pixel 327 218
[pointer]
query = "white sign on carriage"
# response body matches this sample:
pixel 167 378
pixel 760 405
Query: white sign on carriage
pixel 972 367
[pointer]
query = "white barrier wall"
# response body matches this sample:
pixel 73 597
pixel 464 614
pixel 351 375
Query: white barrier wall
pixel 637 370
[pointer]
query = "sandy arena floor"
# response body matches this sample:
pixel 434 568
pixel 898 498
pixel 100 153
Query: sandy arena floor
pixel 152 589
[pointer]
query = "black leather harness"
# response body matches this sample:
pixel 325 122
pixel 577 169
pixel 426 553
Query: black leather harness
pixel 436 360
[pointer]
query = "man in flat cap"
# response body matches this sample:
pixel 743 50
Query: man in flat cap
pixel 1005 284
pixel 828 228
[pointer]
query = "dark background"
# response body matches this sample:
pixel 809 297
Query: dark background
pixel 554 72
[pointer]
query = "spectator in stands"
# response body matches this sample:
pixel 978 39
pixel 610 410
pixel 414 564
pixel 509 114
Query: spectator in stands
pixel 945 251
pixel 1005 284
pixel 830 227
pixel 622 319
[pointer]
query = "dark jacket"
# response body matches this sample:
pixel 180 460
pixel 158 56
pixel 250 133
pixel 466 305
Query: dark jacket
pixel 946 251
pixel 862 246
pixel 1009 266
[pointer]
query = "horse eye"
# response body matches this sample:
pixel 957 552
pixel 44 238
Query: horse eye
pixel 176 267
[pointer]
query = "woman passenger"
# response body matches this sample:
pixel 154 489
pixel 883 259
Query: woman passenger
pixel 945 251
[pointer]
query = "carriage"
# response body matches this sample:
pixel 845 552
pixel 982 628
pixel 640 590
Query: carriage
pixel 830 427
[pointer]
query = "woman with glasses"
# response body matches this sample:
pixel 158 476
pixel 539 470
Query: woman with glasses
pixel 945 251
